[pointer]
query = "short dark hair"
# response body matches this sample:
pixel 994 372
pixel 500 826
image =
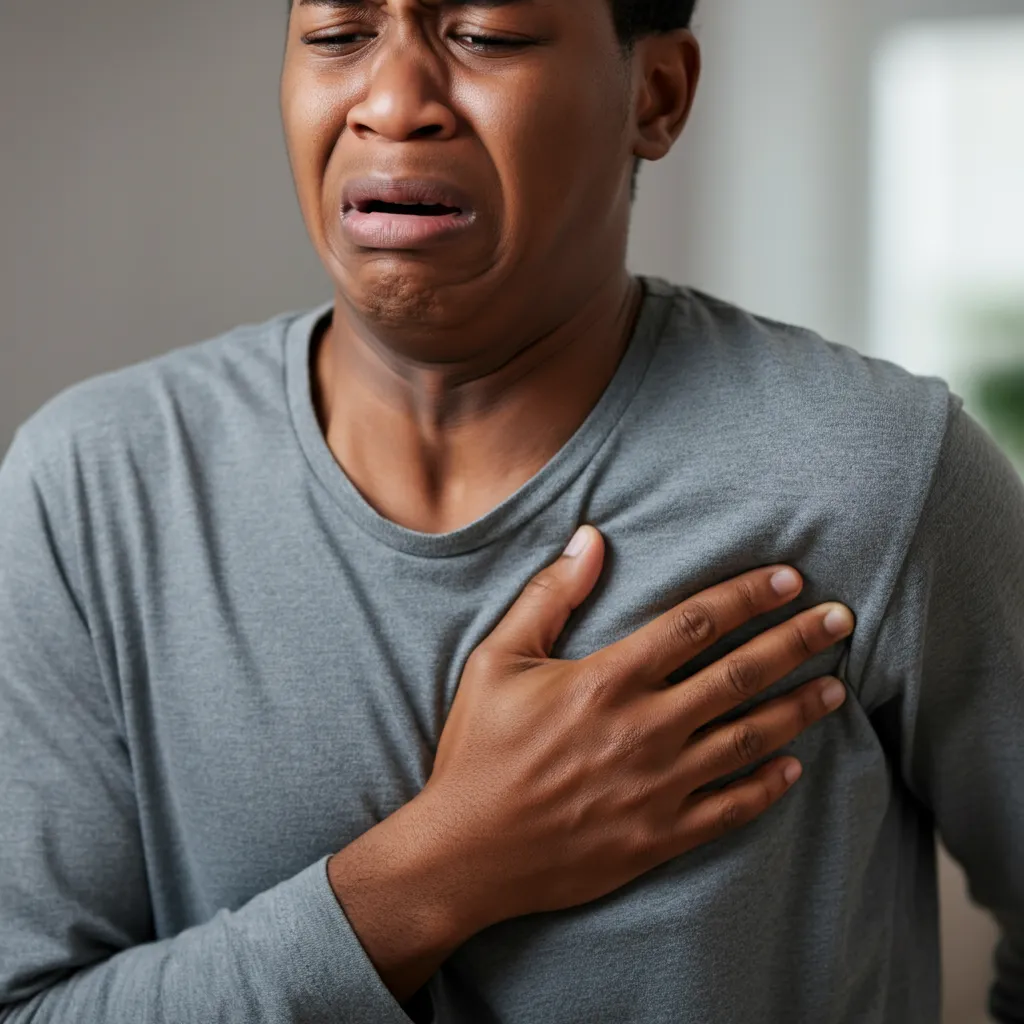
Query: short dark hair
pixel 637 18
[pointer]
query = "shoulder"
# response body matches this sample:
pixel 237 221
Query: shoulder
pixel 820 415
pixel 800 373
pixel 143 411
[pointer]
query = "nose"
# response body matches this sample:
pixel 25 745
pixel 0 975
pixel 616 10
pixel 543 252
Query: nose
pixel 406 97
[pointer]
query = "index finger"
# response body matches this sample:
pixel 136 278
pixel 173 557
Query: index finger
pixel 656 650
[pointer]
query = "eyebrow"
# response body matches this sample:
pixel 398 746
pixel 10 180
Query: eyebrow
pixel 443 3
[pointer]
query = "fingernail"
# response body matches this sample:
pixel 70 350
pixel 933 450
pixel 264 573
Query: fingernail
pixel 792 772
pixel 833 695
pixel 579 541
pixel 839 622
pixel 785 582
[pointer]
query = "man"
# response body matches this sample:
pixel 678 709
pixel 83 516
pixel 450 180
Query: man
pixel 282 740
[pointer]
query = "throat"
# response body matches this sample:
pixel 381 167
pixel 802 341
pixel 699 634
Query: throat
pixel 415 490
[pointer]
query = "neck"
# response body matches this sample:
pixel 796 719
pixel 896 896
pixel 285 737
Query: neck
pixel 435 446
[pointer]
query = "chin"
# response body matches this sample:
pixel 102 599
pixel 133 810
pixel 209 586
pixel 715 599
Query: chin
pixel 395 293
pixel 408 291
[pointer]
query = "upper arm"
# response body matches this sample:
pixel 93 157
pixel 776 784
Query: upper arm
pixel 950 656
pixel 72 879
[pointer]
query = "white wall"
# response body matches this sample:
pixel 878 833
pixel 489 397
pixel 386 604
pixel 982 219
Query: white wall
pixel 766 199
pixel 146 200
pixel 758 203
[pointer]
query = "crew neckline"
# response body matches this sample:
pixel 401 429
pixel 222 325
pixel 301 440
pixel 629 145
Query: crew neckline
pixel 520 506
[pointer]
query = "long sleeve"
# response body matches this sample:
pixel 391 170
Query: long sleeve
pixel 76 929
pixel 947 677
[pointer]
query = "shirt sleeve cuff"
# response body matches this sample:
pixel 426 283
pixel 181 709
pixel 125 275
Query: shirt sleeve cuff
pixel 328 975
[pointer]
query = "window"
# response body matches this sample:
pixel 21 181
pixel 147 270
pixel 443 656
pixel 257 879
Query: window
pixel 948 213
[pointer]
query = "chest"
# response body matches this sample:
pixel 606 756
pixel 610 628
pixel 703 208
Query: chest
pixel 279 708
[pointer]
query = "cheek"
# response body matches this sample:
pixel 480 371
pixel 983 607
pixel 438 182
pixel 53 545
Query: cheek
pixel 313 114
pixel 553 147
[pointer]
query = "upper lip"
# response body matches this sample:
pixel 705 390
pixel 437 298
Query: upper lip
pixel 358 192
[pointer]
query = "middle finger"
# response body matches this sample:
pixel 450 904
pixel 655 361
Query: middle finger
pixel 756 665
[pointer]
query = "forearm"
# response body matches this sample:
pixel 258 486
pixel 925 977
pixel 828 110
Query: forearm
pixel 288 956
pixel 404 895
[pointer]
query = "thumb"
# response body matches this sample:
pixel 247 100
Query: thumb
pixel 531 626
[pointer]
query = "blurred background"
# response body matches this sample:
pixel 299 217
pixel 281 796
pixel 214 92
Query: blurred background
pixel 857 168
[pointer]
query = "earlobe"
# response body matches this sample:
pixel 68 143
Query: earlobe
pixel 667 68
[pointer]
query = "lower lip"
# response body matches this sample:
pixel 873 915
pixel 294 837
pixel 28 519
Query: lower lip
pixel 402 230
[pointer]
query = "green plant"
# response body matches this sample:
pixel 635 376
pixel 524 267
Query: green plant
pixel 999 395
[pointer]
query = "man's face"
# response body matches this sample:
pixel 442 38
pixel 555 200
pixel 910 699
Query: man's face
pixel 519 113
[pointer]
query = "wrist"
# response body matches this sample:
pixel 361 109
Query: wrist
pixel 400 878
pixel 444 868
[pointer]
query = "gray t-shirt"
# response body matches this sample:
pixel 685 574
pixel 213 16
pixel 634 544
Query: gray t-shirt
pixel 218 665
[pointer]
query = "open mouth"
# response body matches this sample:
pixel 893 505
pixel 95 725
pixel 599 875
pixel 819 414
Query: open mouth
pixel 407 209
pixel 404 197
pixel 392 213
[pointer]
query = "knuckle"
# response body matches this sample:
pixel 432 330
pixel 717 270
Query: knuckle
pixel 750 743
pixel 693 624
pixel 625 741
pixel 638 791
pixel 640 839
pixel 809 709
pixel 802 641
pixel 484 662
pixel 768 791
pixel 730 814
pixel 594 681
pixel 743 676
pixel 542 585
pixel 753 605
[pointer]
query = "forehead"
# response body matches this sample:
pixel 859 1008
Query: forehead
pixel 485 4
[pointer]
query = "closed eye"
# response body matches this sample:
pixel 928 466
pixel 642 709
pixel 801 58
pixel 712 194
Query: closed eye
pixel 478 42
pixel 337 41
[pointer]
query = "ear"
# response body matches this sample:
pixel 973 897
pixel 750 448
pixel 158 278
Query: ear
pixel 666 70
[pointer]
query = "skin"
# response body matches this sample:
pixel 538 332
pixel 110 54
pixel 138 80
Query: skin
pixel 471 364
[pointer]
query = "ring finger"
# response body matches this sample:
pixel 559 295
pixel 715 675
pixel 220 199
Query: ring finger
pixel 718 752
